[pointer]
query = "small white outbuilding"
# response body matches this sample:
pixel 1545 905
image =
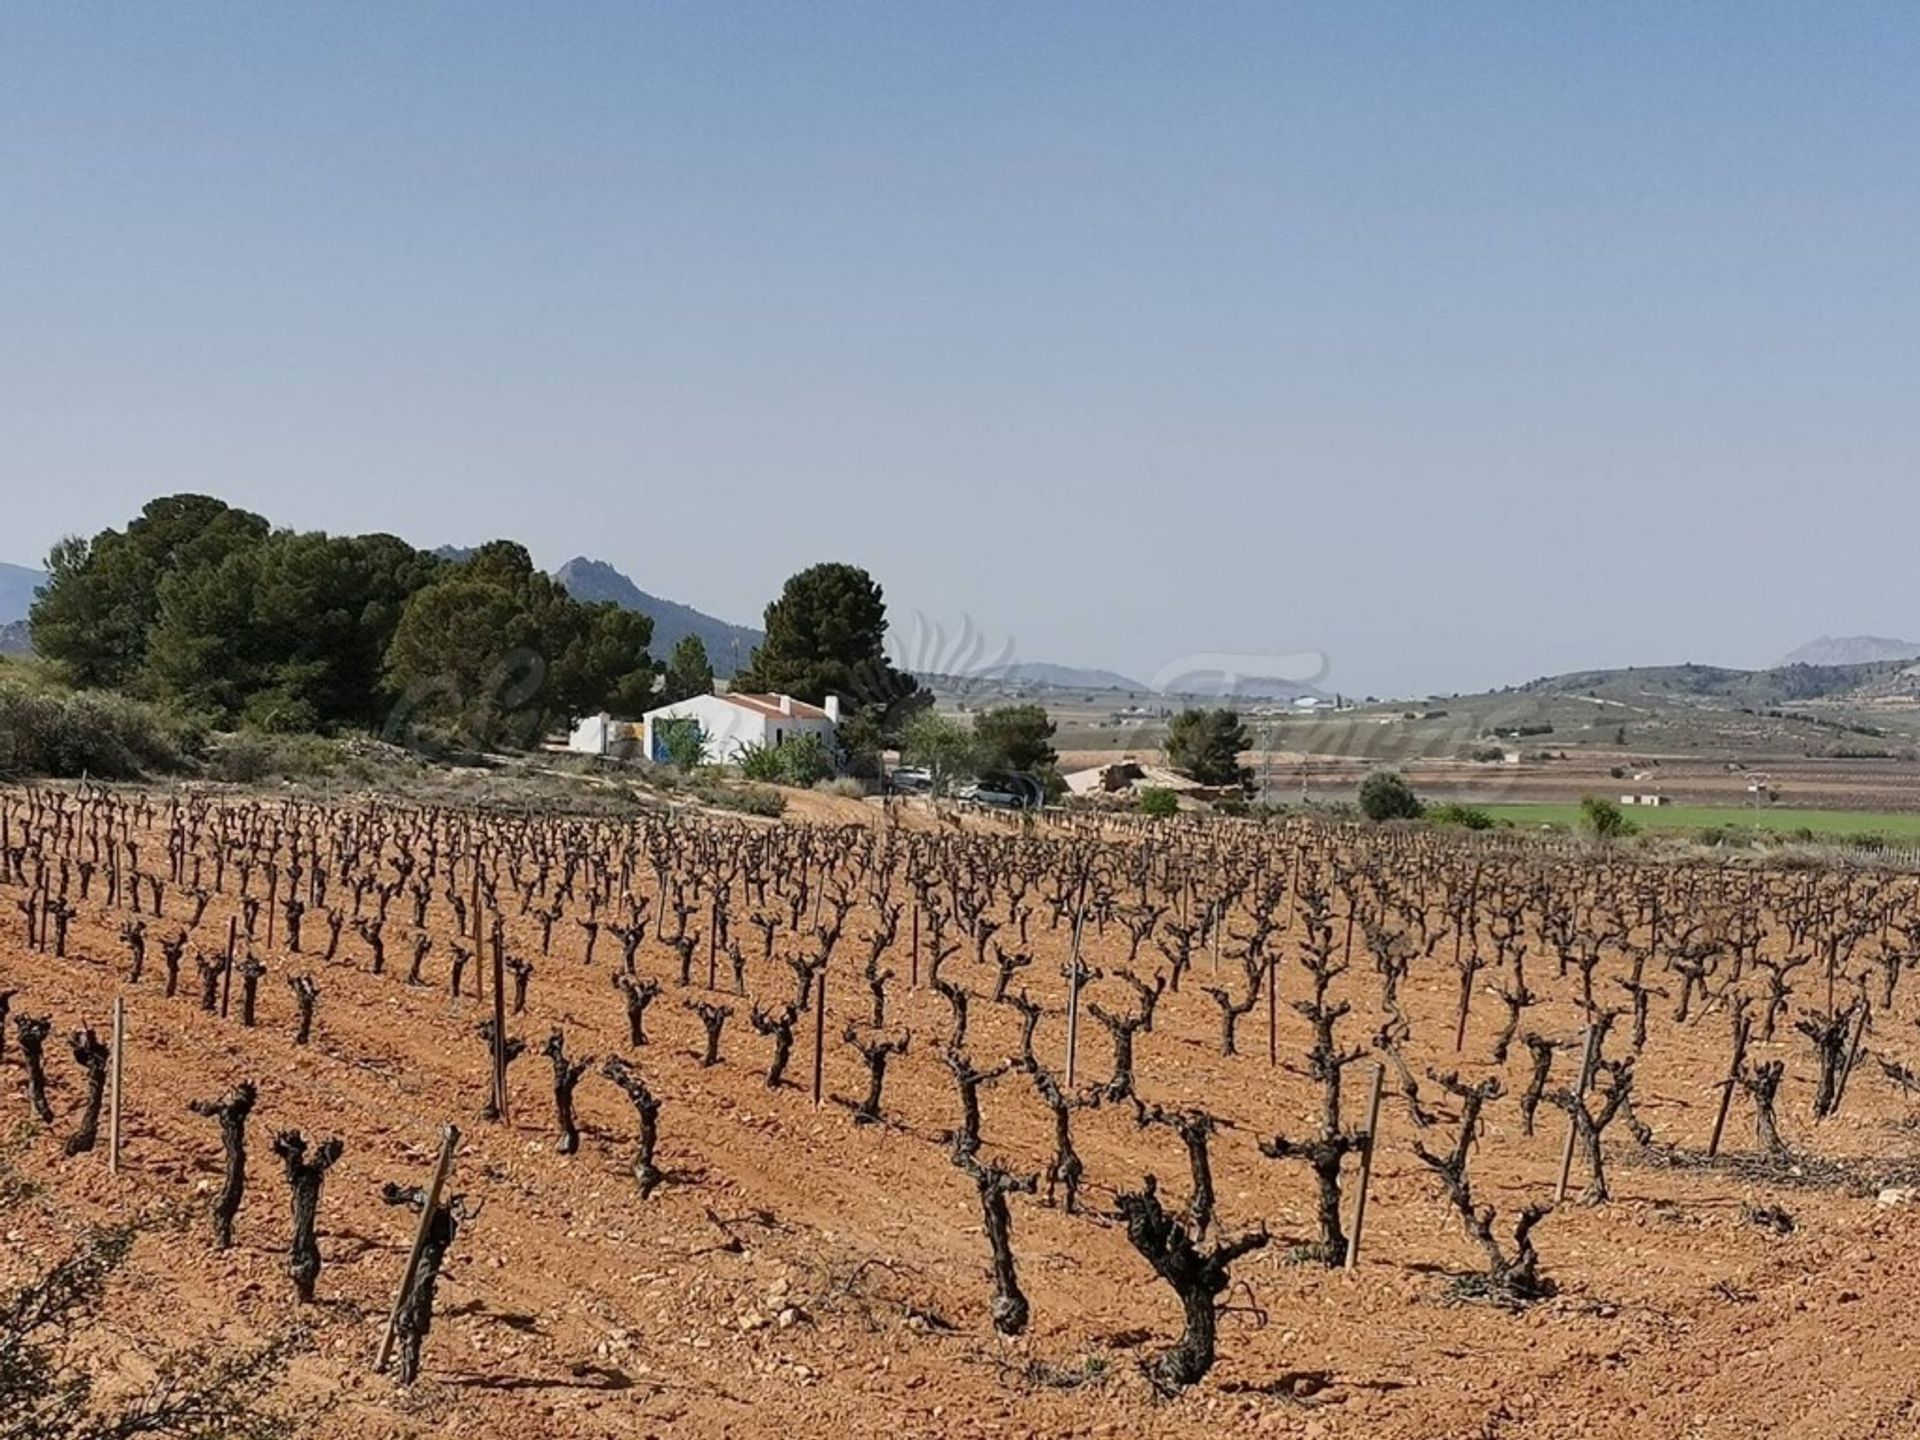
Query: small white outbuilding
pixel 731 723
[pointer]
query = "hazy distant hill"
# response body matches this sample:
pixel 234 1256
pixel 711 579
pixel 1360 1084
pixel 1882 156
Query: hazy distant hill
pixel 728 646
pixel 1716 685
pixel 1039 675
pixel 1246 687
pixel 1060 677
pixel 17 584
pixel 1853 650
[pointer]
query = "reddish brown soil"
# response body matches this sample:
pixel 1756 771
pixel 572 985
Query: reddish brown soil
pixel 570 1307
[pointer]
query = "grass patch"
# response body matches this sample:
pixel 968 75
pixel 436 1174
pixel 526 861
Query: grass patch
pixel 1838 826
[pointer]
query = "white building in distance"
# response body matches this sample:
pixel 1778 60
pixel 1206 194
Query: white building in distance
pixel 732 723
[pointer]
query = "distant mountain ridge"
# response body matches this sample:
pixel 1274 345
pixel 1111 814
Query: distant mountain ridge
pixel 1041 675
pixel 17 584
pixel 1853 650
pixel 729 646
pixel 1719 685
pixel 1059 677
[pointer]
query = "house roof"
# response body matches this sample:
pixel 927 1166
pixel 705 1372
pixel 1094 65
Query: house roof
pixel 770 705
pixel 767 706
pixel 1126 776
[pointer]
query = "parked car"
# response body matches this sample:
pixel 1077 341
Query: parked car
pixel 1006 792
pixel 909 780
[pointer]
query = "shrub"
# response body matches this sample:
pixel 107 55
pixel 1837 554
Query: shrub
pixel 1603 819
pixel 1464 817
pixel 802 760
pixel 1386 795
pixel 845 786
pixel 90 732
pixel 1158 801
pixel 248 758
pixel 759 762
pixel 746 799
pixel 682 741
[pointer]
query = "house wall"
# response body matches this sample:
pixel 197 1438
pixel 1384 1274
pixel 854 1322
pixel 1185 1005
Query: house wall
pixel 589 737
pixel 727 728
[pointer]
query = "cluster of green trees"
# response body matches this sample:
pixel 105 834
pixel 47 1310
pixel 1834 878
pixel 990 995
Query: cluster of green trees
pixel 1205 746
pixel 1006 739
pixel 826 635
pixel 212 611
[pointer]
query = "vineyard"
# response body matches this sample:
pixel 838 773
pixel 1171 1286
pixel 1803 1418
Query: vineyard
pixel 698 1126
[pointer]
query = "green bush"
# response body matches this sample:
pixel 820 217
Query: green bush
pixel 247 758
pixel 682 741
pixel 1603 819
pixel 1386 795
pixel 1464 817
pixel 845 786
pixel 802 760
pixel 759 762
pixel 746 799
pixel 107 737
pixel 1158 801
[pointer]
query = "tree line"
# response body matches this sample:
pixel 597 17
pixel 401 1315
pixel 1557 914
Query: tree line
pixel 215 612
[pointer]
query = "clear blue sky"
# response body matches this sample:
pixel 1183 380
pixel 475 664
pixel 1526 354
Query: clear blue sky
pixel 1461 342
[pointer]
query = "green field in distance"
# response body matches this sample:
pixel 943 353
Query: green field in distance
pixel 1823 823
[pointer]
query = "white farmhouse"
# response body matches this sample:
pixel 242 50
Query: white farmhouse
pixel 735 722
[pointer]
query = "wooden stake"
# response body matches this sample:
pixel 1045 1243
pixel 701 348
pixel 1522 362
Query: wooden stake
pixel 1273 1010
pixel 226 981
pixel 113 1111
pixel 449 1139
pixel 1366 1168
pixel 713 941
pixel 499 1032
pixel 1727 1088
pixel 1573 1130
pixel 820 1039
pixel 1073 997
